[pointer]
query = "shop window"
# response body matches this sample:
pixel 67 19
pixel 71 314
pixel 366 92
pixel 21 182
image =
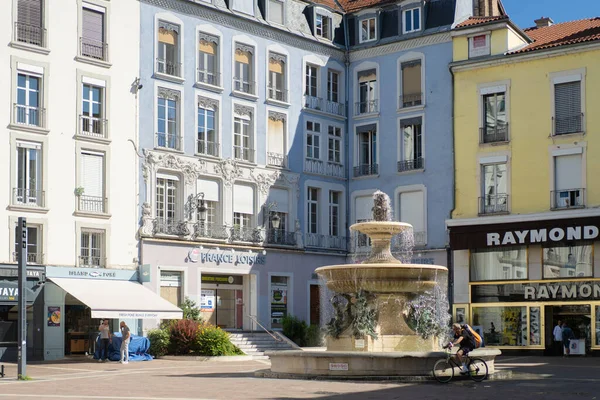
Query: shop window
pixel 279 300
pixel 568 261
pixel 597 325
pixel 170 286
pixel 499 265
pixel 504 326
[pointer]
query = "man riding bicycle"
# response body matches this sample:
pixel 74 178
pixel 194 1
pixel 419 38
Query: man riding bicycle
pixel 465 340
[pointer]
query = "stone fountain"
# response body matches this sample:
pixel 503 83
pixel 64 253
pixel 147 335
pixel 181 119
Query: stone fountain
pixel 388 315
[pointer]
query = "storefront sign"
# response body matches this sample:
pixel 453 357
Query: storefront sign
pixel 207 300
pixel 53 316
pixel 588 232
pixel 551 291
pixel 225 257
pixel 14 272
pixel 222 279
pixel 145 274
pixel 9 291
pixel 92 273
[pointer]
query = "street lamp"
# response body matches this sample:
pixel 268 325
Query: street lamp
pixel 275 221
pixel 201 209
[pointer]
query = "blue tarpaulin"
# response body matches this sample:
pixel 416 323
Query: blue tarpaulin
pixel 138 348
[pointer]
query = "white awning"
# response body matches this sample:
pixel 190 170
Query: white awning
pixel 119 299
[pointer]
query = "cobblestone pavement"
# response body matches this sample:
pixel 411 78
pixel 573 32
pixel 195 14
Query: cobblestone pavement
pixel 533 378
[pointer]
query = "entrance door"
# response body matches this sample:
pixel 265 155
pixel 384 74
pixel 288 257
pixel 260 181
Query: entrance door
pixel 228 312
pixel 578 317
pixel 315 305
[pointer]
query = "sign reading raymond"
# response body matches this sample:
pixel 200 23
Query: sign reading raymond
pixel 536 291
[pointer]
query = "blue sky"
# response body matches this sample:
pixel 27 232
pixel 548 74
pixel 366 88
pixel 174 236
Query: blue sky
pixel 524 12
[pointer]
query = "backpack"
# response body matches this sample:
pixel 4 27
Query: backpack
pixel 476 338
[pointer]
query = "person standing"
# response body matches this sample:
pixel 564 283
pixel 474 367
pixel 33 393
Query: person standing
pixel 557 333
pixel 125 336
pixel 567 336
pixel 105 340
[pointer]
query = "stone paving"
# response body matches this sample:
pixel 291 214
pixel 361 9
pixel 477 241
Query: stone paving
pixel 533 378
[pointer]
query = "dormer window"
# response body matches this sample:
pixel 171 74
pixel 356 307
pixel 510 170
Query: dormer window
pixel 368 29
pixel 479 46
pixel 412 20
pixel 276 12
pixel 323 26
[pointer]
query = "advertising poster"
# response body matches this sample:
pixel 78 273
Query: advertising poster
pixel 207 300
pixel 53 316
pixel 278 304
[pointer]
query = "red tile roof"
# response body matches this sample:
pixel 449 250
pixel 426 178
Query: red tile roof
pixel 583 30
pixel 355 5
pixel 329 3
pixel 474 21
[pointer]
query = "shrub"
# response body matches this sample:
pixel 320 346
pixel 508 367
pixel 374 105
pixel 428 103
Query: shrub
pixel 295 330
pixel 191 311
pixel 183 334
pixel 159 342
pixel 213 341
pixel 314 336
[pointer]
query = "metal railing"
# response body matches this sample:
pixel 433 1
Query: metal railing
pixel 411 100
pixel 246 234
pixel 276 159
pixel 167 140
pixel 274 93
pixel 335 108
pixel 168 67
pixel 325 241
pixel 253 318
pixel 93 204
pixel 208 148
pixel 92 126
pixel 366 169
pixel 494 134
pixel 211 231
pixel 366 107
pixel 28 115
pixel 243 153
pixel 281 237
pixel 567 198
pixel 29 197
pixel 566 125
pixel 33 258
pixel 171 227
pixel 312 102
pixel 336 170
pixel 30 34
pixel 241 85
pixel 93 49
pixel 493 204
pixel 411 165
pixel 92 261
pixel 313 166
pixel 208 77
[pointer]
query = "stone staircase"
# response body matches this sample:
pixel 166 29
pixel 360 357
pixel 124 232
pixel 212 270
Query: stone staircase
pixel 257 343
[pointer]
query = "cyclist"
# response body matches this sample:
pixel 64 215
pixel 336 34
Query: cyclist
pixel 465 340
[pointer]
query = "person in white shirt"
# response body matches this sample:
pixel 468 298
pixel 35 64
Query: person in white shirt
pixel 126 336
pixel 557 333
pixel 105 340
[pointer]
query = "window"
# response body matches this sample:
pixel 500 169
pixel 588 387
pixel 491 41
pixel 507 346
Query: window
pixel 93 41
pixel 568 117
pixel 313 210
pixel 313 133
pixel 412 211
pixel 367 151
pixel 168 120
pixel 276 153
pixel 208 67
pixel 489 265
pixel 277 81
pixel 569 261
pixel 411 84
pixel 30 25
pixel 243 213
pixel 323 26
pixel 367 92
pixel 412 144
pixel 276 11
pixel 335 145
pixel 244 74
pixel 568 191
pixel 92 110
pixel 280 287
pixel 91 180
pixel 207 135
pixel 28 110
pixel 494 187
pixel 333 80
pixel 29 175
pixel 242 139
pixel 34 244
pixel 412 20
pixel 167 61
pixel 166 200
pixel 510 325
pixel 92 248
pixel 311 88
pixel 171 286
pixel 495 128
pixel 368 30
pixel 334 213
pixel 241 220
pixel 479 46
pixel 211 191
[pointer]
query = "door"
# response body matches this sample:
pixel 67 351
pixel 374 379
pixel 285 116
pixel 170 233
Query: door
pixel 226 308
pixel 315 305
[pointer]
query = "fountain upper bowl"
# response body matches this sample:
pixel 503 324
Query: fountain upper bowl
pixel 381 227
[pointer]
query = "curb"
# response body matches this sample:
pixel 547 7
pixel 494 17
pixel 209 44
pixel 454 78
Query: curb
pixel 217 358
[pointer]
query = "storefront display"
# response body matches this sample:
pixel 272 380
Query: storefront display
pixel 279 289
pixel 568 261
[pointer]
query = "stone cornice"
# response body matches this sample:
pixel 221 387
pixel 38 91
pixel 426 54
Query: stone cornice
pixel 422 41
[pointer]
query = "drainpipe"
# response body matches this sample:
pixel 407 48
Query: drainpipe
pixel 450 260
pixel 347 127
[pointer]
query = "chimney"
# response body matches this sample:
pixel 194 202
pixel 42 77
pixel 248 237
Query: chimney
pixel 486 8
pixel 543 22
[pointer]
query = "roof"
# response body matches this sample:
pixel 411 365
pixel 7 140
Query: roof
pixel 328 3
pixel 580 31
pixel 474 21
pixel 356 5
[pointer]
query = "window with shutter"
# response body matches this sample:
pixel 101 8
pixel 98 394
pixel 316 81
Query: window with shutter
pixel 29 174
pixel 92 248
pixel 207 59
pixel 411 84
pixel 92 34
pixel 167 61
pixel 92 182
pixel 568 117
pixel 29 26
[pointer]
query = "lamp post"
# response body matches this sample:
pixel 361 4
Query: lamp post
pixel 275 220
pixel 201 210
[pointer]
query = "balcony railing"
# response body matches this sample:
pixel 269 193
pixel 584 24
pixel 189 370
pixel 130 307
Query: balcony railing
pixel 171 227
pixel 493 204
pixel 411 100
pixel 313 166
pixel 281 237
pixel 335 108
pixel 567 198
pixel 92 126
pixel 566 125
pixel 94 204
pixel 420 238
pixel 312 102
pixel 30 116
pixel 168 67
pixel 276 160
pixel 246 234
pixel 29 197
pixel 30 34
pixel 411 165
pixel 366 169
pixel 208 148
pixel 32 258
pixel 494 134
pixel 244 86
pixel 366 107
pixel 243 154
pixel 92 261
pixel 325 241
pixel 167 141
pixel 93 49
pixel 336 170
pixel 208 77
pixel 274 93
pixel 211 231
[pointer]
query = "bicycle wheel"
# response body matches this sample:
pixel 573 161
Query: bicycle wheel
pixel 443 371
pixel 478 369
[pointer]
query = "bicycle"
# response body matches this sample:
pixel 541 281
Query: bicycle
pixel 443 370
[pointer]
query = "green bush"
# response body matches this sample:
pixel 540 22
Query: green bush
pixel 159 342
pixel 314 336
pixel 213 341
pixel 183 334
pixel 295 330
pixel 191 311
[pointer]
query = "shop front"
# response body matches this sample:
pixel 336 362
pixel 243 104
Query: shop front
pixel 513 282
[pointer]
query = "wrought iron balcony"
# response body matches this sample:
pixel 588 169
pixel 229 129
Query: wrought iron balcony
pixel 32 258
pixel 243 154
pixel 494 134
pixel 366 170
pixel 30 34
pixel 208 77
pixel 30 116
pixel 210 231
pixel 493 204
pixel 325 241
pixel 246 234
pixel 567 198
pixel 208 148
pixel 92 126
pixel 29 197
pixel 277 160
pixel 335 170
pixel 168 67
pixel 281 237
pixel 335 108
pixel 411 165
pixel 93 49
pixel 411 100
pixel 274 93
pixel 171 227
pixel 312 102
pixel 92 204
pixel 92 261
pixel 566 125
pixel 366 107
pixel 168 141
pixel 244 86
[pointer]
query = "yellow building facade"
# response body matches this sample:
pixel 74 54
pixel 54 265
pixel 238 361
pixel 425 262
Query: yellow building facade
pixel 524 232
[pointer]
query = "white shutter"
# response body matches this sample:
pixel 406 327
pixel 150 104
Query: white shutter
pixel 170 278
pixel 92 174
pixel 29 12
pixel 243 199
pixel 280 197
pixel 275 137
pixel 209 188
pixel 412 210
pixel 363 208
pixel 92 26
pixel 567 172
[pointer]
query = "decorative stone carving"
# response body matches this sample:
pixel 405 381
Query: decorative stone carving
pixel 243 110
pixel 287 180
pixel 277 116
pixel 147 228
pixel 263 181
pixel 168 26
pixel 191 170
pixel 243 48
pixel 277 57
pixel 208 38
pixel 207 103
pixel 169 94
pixel 229 171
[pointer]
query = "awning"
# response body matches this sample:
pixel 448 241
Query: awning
pixel 119 299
